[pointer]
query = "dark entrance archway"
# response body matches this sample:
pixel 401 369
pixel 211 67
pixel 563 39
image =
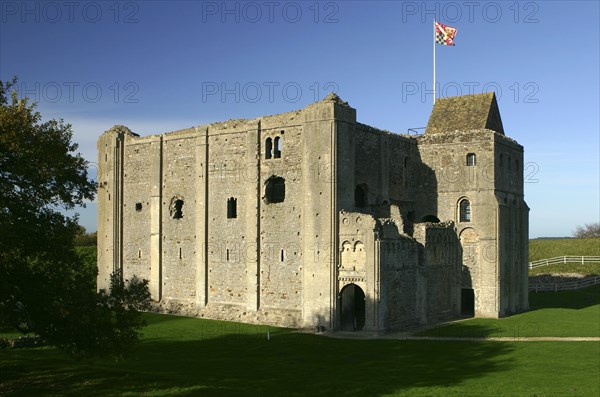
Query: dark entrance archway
pixel 352 308
pixel 467 302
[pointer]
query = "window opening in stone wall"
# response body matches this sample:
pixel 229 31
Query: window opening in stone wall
pixel 275 190
pixel 282 255
pixel 277 148
pixel 405 171
pixel 231 208
pixel 138 207
pixel 467 302
pixel 268 148
pixel 465 211
pixel 180 254
pixel 430 219
pixel 361 195
pixel 176 209
pixel 471 159
pixel 228 255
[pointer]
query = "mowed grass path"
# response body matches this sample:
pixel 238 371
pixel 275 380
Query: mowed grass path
pixel 191 357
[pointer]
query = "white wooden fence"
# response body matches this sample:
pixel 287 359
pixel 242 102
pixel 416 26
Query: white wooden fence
pixel 565 259
pixel 571 285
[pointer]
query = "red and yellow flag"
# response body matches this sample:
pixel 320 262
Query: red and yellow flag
pixel 444 35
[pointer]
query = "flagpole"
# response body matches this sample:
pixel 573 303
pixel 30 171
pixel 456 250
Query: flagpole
pixel 434 61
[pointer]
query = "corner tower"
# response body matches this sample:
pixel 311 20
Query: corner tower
pixel 479 175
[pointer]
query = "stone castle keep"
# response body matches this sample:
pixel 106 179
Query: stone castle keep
pixel 311 219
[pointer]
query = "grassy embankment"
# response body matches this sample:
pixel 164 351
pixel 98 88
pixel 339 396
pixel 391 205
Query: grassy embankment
pixel 551 248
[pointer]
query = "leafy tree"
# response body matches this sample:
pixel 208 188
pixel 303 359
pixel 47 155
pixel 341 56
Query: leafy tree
pixel 107 324
pixel 84 239
pixel 588 230
pixel 44 288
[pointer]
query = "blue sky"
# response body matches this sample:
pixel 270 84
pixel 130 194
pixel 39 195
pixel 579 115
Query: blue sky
pixel 158 66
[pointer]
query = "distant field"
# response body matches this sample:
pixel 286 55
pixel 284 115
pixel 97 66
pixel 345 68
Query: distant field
pixel 551 248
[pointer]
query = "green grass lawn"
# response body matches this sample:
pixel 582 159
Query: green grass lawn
pixel 551 248
pixel 586 269
pixel 182 356
pixel 185 357
pixel 567 313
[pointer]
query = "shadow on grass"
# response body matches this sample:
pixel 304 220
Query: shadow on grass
pixel 577 299
pixel 288 364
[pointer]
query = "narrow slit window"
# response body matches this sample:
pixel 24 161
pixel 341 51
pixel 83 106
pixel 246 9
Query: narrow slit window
pixel 471 160
pixel 268 148
pixel 361 193
pixel 465 211
pixel 231 208
pixel 277 148
pixel 405 171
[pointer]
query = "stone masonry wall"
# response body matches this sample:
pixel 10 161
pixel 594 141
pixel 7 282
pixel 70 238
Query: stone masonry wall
pixel 263 220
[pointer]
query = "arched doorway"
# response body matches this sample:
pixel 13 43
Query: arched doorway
pixel 352 308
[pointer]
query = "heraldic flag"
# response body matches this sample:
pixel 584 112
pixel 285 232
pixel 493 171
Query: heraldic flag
pixel 444 35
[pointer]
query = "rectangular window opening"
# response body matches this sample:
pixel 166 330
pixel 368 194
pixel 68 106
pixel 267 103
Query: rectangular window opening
pixel 231 208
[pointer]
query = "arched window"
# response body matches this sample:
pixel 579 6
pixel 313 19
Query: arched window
pixel 231 208
pixel 360 196
pixel 464 211
pixel 277 148
pixel 275 190
pixel 268 148
pixel 471 159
